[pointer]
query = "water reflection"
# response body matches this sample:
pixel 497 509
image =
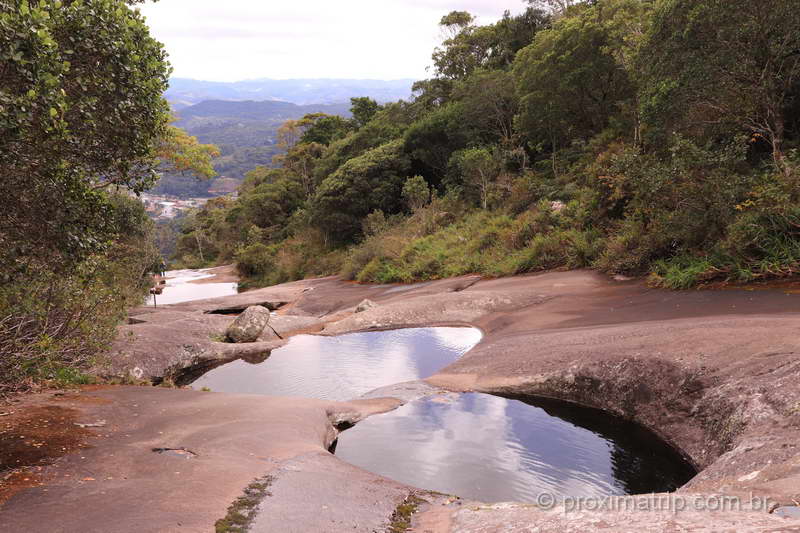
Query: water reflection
pixel 179 289
pixel 496 449
pixel 346 366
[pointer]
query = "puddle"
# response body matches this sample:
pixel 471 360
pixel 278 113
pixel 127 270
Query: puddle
pixel 495 449
pixel 346 366
pixel 179 289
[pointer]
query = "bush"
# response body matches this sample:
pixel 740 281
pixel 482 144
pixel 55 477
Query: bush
pixel 56 327
pixel 255 261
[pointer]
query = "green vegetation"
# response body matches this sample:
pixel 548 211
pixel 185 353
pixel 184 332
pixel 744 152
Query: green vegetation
pixel 655 137
pixel 247 136
pixel 400 520
pixel 83 127
pixel 242 512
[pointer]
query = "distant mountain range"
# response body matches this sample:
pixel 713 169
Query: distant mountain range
pixel 243 117
pixel 185 92
pixel 246 123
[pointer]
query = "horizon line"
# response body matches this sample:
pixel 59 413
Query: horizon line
pixel 293 79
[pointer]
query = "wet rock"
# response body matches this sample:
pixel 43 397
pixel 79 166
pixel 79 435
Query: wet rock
pixel 365 305
pixel 256 358
pixel 248 326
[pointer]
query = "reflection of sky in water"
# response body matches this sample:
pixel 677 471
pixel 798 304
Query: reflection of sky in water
pixel 346 366
pixel 485 448
pixel 178 289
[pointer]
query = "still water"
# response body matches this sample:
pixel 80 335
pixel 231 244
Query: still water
pixel 346 366
pixel 179 287
pixel 493 449
pixel 477 446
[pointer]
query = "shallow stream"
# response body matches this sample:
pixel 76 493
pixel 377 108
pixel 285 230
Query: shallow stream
pixel 180 287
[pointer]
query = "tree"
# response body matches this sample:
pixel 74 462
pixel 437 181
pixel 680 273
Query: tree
pixel 489 101
pixel 724 63
pixel 416 193
pixel 81 119
pixel 180 152
pixel 513 33
pixel 290 133
pixel 479 169
pixel 468 46
pixel 371 181
pixel 432 140
pixel 80 105
pixel 570 82
pixel 324 129
pixel 302 160
pixel 363 109
pixel 558 7
pixel 455 22
pixel 270 205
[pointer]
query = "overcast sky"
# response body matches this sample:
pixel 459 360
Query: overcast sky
pixel 230 40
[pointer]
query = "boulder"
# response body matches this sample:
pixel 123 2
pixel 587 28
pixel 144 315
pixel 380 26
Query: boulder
pixel 248 326
pixel 366 304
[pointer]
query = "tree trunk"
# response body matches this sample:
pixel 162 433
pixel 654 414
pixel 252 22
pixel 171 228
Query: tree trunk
pixel 777 134
pixel 199 245
pixel 777 152
pixel 484 190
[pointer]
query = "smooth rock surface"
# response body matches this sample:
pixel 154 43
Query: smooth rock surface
pixel 365 305
pixel 715 373
pixel 248 326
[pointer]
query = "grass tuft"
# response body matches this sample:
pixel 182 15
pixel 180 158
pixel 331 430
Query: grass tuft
pixel 242 512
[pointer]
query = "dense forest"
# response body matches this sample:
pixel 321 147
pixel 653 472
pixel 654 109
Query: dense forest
pixel 651 137
pixel 83 129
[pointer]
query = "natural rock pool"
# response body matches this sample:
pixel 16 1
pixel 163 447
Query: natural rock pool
pixel 476 446
pixel 346 366
pixel 494 449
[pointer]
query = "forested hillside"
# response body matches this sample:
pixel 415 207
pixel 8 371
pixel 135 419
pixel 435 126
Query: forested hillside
pixel 244 131
pixel 632 136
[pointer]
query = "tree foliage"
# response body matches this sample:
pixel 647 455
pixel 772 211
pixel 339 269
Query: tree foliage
pixel 82 124
pixel 363 184
pixel 569 81
pixel 635 136
pixel 725 63
pixel 80 108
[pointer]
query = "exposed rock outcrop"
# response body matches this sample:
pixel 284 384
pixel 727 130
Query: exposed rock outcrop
pixel 248 326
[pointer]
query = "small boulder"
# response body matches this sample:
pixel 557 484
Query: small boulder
pixel 366 304
pixel 248 326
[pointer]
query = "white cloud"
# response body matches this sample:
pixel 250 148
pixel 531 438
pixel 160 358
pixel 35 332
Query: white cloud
pixel 245 39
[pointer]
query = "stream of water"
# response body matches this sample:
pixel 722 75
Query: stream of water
pixel 179 287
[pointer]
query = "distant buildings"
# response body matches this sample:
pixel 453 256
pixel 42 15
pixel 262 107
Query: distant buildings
pixel 167 206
